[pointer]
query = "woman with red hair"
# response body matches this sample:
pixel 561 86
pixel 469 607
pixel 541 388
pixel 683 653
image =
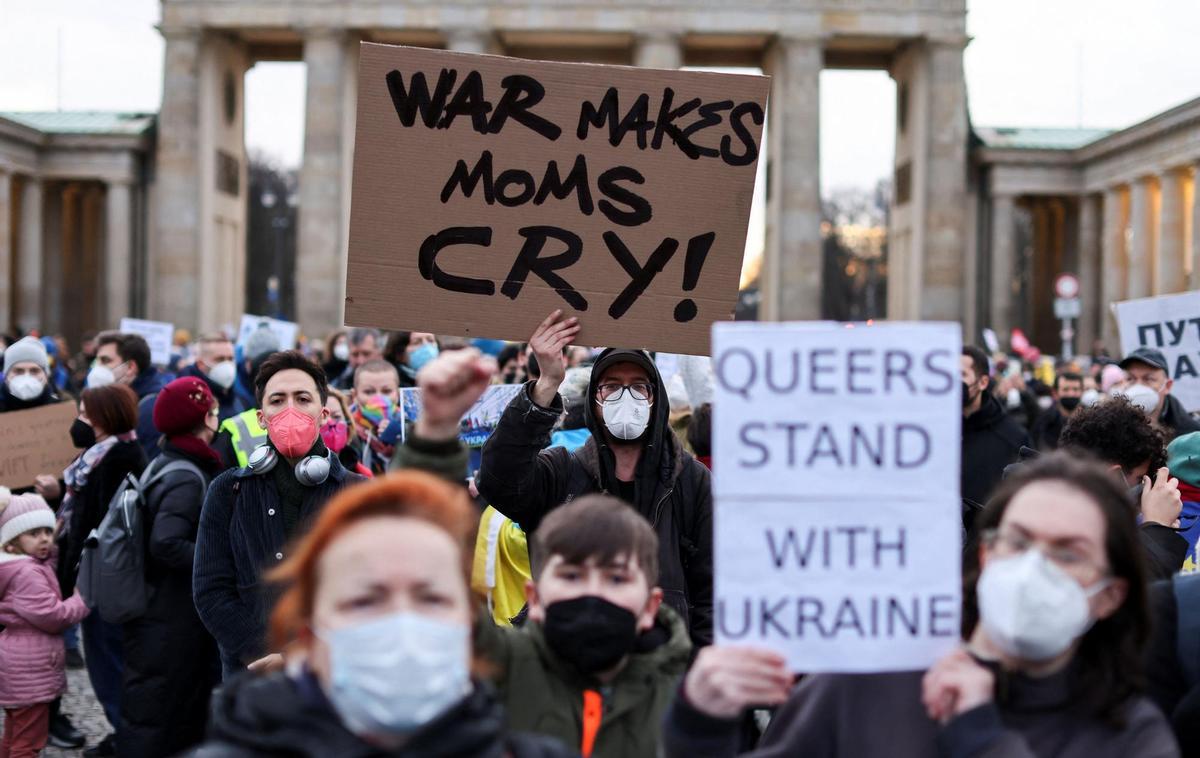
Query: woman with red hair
pixel 375 621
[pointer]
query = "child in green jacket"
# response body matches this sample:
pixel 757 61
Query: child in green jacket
pixel 600 657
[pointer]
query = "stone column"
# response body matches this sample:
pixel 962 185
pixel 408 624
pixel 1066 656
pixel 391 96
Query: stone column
pixel 29 257
pixel 472 40
pixel 791 278
pixel 945 175
pixel 175 254
pixel 1113 269
pixel 6 214
pixel 1003 265
pixel 1141 249
pixel 1194 284
pixel 320 302
pixel 118 251
pixel 658 50
pixel 1088 241
pixel 1170 274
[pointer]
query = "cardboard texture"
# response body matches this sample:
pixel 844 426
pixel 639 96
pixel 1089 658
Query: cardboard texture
pixel 35 442
pixel 402 173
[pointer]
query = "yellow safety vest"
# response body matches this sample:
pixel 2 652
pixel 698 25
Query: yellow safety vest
pixel 245 433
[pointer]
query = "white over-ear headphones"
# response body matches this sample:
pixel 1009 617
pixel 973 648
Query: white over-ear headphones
pixel 310 470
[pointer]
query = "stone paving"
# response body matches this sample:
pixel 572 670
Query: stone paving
pixel 81 705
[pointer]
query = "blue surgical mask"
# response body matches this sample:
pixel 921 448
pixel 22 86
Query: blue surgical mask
pixel 396 674
pixel 422 355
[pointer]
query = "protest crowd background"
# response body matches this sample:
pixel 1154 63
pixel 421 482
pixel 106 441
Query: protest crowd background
pixel 594 567
pixel 635 526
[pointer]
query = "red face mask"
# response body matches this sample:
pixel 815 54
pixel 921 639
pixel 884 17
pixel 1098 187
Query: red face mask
pixel 292 432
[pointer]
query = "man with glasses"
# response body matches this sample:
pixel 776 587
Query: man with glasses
pixel 632 454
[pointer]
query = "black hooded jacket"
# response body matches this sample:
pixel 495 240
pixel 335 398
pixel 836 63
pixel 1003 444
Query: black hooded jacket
pixel 991 441
pixel 672 490
pixel 278 715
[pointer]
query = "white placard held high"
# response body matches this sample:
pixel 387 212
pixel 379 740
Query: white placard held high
pixel 1170 323
pixel 836 485
pixel 159 336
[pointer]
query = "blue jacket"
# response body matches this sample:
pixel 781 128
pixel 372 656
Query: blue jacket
pixel 147 386
pixel 241 537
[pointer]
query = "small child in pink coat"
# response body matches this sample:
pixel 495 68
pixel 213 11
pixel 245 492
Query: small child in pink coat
pixel 34 616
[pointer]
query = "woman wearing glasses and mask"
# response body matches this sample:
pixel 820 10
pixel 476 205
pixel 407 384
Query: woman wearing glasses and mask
pixel 1055 617
pixel 376 623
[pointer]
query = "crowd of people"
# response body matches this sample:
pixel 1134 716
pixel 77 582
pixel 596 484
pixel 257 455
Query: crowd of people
pixel 323 576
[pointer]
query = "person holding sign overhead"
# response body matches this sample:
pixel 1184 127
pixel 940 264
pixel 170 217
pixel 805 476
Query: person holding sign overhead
pixel 1057 616
pixel 633 454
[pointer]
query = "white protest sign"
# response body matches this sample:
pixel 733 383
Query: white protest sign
pixel 1170 323
pixel 158 335
pixel 287 332
pixel 837 526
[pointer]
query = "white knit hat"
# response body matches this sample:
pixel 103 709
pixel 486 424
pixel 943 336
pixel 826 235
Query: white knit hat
pixel 21 513
pixel 26 350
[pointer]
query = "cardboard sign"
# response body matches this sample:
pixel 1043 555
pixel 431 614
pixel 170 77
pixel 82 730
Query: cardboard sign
pixel 837 525
pixel 36 442
pixel 477 424
pixel 288 333
pixel 158 335
pixel 489 191
pixel 1170 323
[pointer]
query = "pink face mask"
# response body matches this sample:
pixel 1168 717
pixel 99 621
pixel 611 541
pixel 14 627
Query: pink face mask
pixel 292 432
pixel 335 434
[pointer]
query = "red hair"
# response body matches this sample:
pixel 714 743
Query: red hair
pixel 407 494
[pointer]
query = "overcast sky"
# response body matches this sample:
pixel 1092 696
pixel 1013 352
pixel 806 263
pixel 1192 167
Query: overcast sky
pixel 1107 63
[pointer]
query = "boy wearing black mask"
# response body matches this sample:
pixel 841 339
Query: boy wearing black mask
pixel 600 657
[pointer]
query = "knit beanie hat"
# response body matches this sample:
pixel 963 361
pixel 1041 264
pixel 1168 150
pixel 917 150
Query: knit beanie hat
pixel 260 342
pixel 26 350
pixel 1183 458
pixel 182 405
pixel 20 513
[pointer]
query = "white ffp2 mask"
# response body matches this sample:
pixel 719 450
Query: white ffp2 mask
pixel 1030 608
pixel 26 387
pixel 1141 396
pixel 224 374
pixel 627 416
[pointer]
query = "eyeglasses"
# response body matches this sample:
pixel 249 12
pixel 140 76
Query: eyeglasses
pixel 1005 542
pixel 613 391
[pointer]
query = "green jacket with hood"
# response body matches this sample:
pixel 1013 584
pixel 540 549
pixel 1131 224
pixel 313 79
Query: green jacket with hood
pixel 543 694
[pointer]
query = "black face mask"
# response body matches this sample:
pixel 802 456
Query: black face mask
pixel 1069 403
pixel 967 399
pixel 83 435
pixel 589 632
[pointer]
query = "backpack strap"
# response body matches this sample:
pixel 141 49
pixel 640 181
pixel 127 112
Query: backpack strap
pixel 1187 643
pixel 153 475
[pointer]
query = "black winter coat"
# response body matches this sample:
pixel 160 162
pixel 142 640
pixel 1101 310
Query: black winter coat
pixel 991 441
pixel 171 661
pixel 91 504
pixel 278 715
pixel 242 536
pixel 10 403
pixel 1047 429
pixel 1176 419
pixel 673 490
